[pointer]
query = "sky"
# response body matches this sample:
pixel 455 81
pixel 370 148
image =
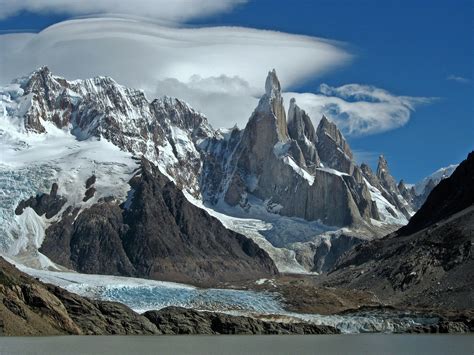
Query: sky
pixel 396 76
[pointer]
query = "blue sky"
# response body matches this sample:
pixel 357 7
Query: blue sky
pixel 409 48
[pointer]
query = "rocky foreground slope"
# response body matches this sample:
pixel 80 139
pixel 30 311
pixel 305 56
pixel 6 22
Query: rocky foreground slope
pixel 430 262
pixel 29 307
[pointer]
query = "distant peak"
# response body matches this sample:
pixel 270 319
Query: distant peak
pixel 272 84
pixel 43 70
pixel 382 165
pixel 37 80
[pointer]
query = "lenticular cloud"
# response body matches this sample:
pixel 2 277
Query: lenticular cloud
pixel 176 10
pixel 142 55
pixel 139 53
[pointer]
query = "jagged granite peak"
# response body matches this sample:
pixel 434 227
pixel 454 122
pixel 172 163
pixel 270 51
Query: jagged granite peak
pixel 387 185
pixel 369 174
pixel 384 176
pixel 272 84
pixel 382 166
pixel 283 170
pixel 301 129
pixel 333 149
pixel 405 192
pixel 271 106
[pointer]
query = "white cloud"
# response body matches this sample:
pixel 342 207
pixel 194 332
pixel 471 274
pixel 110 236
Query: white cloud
pixel 213 68
pixel 458 79
pixel 225 101
pixel 359 109
pixel 175 10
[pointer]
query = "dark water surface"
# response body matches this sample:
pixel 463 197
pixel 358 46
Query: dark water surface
pixel 236 345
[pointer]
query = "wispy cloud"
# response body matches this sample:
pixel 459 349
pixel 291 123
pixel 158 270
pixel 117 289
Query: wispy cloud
pixel 458 79
pixel 175 10
pixel 359 109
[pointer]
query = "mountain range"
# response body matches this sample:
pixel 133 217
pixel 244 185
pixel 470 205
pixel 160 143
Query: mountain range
pixel 99 180
pixel 121 166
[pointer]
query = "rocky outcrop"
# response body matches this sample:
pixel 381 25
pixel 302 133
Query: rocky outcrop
pixel 43 204
pixel 176 320
pixel 129 239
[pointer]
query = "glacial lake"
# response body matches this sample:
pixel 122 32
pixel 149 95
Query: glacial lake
pixel 243 344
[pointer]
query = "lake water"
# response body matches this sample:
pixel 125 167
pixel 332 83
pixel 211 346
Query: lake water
pixel 235 345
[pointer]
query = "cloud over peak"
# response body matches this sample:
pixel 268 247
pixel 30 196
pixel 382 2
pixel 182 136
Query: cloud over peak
pixel 359 109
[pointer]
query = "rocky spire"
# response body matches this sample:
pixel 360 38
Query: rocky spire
pixel 390 188
pixel 333 148
pixel 384 176
pixel 272 84
pixel 271 106
pixel 301 129
pixel 46 92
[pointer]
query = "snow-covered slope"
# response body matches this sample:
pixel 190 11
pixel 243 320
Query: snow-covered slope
pixel 436 177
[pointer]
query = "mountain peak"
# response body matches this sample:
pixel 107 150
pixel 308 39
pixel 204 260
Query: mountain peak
pixel 382 164
pixel 324 121
pixel 330 139
pixel 272 84
pixel 39 78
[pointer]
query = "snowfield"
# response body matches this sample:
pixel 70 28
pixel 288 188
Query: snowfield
pixel 31 162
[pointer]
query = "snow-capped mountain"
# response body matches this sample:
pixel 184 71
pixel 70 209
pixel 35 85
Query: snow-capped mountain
pixel 291 188
pixel 422 189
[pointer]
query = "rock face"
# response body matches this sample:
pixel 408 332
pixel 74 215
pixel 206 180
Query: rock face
pixel 129 239
pixel 427 262
pixel 175 320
